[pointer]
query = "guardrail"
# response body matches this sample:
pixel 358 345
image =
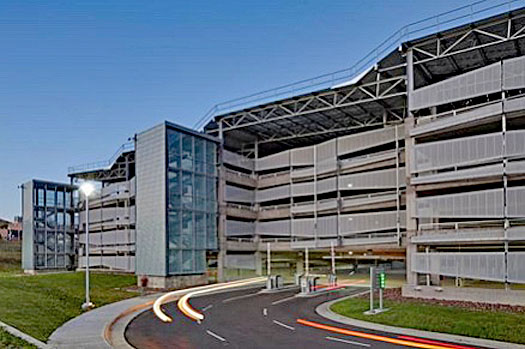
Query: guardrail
pixel 274 207
pixel 104 164
pixel 459 16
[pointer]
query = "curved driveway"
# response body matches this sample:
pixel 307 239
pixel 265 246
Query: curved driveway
pixel 247 319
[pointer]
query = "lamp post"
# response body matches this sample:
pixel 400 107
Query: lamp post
pixel 87 189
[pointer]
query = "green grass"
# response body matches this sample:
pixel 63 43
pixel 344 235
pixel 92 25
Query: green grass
pixel 502 326
pixel 9 341
pixel 10 256
pixel 37 305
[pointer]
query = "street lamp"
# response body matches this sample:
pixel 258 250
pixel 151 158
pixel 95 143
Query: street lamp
pixel 87 188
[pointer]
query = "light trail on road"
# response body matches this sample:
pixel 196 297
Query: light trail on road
pixel 408 343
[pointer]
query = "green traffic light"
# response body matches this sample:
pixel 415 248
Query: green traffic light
pixel 382 280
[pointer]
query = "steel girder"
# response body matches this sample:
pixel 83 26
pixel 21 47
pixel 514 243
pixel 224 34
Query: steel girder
pixel 371 98
pixel 466 39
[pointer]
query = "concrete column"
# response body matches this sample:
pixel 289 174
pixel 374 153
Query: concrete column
pixel 258 263
pixel 221 226
pixel 410 189
pixel 299 264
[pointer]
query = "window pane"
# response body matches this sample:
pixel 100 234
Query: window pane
pixel 187 260
pixel 200 185
pixel 68 244
pixel 60 219
pixel 174 150
pixel 50 198
pixel 187 229
pixel 40 260
pixel 174 229
pixel 200 261
pixel 200 203
pixel 187 183
pixel 51 260
pixel 68 220
pixel 199 155
pixel 187 202
pixel 60 242
pixel 68 200
pixel 60 199
pixel 187 152
pixel 61 261
pixel 200 230
pixel 51 219
pixel 210 153
pixel 174 262
pixel 40 196
pixel 174 189
pixel 50 241
pixel 211 235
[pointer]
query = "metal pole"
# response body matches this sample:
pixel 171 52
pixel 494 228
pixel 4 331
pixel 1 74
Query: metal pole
pixel 372 288
pixel 87 252
pixel 380 298
pixel 333 256
pixel 268 261
pixel 306 262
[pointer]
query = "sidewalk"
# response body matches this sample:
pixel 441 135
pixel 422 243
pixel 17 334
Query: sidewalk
pixel 87 331
pixel 324 311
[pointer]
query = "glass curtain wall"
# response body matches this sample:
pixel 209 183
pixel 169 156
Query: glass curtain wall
pixel 192 202
pixel 53 226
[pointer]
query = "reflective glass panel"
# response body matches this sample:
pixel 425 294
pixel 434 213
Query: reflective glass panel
pixel 187 229
pixel 40 197
pixel 50 197
pixel 174 262
pixel 187 152
pixel 174 189
pixel 174 229
pixel 187 261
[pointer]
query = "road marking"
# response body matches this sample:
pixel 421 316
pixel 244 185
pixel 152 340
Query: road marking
pixel 207 307
pixel 215 335
pixel 347 341
pixel 369 335
pixel 265 312
pixel 240 297
pixel 284 325
pixel 428 341
pixel 283 300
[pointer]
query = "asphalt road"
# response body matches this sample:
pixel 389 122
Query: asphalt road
pixel 248 319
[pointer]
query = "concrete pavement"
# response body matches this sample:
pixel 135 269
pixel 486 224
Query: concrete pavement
pixel 87 331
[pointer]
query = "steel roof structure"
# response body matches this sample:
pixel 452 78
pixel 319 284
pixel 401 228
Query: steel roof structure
pixel 378 97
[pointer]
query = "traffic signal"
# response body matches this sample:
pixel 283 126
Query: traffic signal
pixel 381 279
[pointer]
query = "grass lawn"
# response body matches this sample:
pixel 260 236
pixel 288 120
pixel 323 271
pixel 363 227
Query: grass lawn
pixel 11 342
pixel 39 304
pixel 503 326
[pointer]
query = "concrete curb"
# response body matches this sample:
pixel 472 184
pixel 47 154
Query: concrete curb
pixel 114 332
pixel 17 333
pixel 88 330
pixel 324 311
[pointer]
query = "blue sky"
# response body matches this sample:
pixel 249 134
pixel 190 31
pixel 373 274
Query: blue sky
pixel 77 78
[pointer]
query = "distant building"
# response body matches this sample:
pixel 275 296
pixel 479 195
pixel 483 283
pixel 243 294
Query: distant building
pixel 11 230
pixel 48 226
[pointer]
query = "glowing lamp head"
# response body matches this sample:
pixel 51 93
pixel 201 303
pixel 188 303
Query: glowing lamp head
pixel 87 188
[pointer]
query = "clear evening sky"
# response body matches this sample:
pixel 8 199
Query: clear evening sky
pixel 77 78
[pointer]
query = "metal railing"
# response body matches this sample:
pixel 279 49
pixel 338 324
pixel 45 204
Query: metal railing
pixel 459 16
pixel 102 164
pixel 274 207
